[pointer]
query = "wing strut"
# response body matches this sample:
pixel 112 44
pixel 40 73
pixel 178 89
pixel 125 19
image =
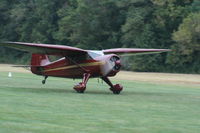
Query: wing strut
pixel 85 70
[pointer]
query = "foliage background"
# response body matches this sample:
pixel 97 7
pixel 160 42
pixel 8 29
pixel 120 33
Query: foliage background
pixel 102 24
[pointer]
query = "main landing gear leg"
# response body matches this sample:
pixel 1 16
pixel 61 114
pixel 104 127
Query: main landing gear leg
pixel 116 89
pixel 44 81
pixel 80 88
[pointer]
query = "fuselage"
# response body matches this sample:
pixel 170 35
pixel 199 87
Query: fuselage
pixel 95 63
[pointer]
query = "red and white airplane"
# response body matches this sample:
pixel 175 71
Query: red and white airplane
pixel 77 63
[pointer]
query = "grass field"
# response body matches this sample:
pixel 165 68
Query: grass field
pixel 145 106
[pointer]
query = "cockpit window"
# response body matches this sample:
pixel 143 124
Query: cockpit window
pixel 95 54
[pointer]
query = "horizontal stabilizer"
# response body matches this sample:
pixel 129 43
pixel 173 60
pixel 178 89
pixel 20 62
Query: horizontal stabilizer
pixel 25 66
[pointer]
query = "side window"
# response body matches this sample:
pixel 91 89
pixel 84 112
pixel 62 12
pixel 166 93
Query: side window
pixel 53 58
pixel 88 57
pixel 79 58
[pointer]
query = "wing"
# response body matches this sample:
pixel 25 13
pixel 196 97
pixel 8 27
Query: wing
pixel 45 48
pixel 133 51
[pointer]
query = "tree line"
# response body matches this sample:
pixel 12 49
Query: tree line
pixel 103 24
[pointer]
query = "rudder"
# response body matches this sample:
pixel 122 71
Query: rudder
pixel 37 63
pixel 39 60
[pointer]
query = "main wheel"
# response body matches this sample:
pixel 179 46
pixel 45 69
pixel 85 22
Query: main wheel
pixel 80 88
pixel 116 92
pixel 117 89
pixel 80 91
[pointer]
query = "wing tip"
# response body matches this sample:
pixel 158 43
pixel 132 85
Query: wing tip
pixel 166 50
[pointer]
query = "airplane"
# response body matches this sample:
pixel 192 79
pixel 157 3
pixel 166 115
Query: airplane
pixel 77 63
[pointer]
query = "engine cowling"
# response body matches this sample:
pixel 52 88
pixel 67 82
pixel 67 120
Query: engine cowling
pixel 111 65
pixel 116 65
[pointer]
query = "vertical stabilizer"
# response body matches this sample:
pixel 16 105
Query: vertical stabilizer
pixel 37 63
pixel 39 60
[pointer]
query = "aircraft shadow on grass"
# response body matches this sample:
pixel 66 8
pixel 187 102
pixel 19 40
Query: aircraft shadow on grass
pixel 68 91
pixel 53 90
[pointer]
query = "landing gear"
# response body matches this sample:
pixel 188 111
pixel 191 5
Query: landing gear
pixel 44 81
pixel 116 89
pixel 80 88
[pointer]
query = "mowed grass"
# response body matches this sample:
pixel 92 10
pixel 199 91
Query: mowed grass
pixel 28 106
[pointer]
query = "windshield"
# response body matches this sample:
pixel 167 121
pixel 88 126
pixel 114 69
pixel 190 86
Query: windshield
pixel 95 54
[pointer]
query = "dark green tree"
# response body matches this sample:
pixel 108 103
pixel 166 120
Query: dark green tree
pixel 185 56
pixel 90 24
